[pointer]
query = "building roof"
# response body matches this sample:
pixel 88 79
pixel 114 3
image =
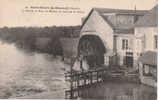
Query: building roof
pixel 150 19
pixel 118 29
pixel 149 57
pixel 126 28
pixel 112 20
pixel 120 11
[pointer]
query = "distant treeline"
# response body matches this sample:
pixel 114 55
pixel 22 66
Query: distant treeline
pixel 25 37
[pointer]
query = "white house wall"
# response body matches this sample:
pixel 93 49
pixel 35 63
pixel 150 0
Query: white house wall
pixel 132 45
pixel 96 25
pixel 119 39
pixel 148 33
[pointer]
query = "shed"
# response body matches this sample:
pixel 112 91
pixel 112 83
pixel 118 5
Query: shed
pixel 149 57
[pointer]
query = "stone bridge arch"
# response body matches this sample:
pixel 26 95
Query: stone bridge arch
pixel 92 48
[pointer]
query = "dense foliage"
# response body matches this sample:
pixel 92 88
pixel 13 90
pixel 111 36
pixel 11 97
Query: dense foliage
pixel 25 37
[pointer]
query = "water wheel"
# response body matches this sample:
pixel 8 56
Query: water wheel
pixel 92 48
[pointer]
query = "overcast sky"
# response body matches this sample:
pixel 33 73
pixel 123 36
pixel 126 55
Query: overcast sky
pixel 12 14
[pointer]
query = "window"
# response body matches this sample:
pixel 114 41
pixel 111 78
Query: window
pixel 150 71
pixel 147 71
pixel 156 41
pixel 106 60
pixel 124 44
pixel 144 42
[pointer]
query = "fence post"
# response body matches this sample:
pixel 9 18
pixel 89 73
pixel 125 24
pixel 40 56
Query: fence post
pixel 91 78
pixel 97 76
pixel 71 81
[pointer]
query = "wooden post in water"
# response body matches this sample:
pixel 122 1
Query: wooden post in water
pixel 97 77
pixel 71 81
pixel 91 78
pixel 78 79
pixel 88 78
pixel 102 75
pixel 84 78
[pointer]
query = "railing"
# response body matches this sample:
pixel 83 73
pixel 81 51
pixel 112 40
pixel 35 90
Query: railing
pixel 79 80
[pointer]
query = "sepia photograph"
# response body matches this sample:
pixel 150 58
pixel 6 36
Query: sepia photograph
pixel 79 49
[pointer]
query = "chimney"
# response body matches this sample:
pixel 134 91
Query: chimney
pixel 135 14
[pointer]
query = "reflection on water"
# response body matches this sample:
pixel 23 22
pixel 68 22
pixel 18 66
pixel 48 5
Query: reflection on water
pixel 23 72
pixel 31 69
pixel 119 91
pixel 12 60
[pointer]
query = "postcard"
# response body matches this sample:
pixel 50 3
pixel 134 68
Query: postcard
pixel 78 49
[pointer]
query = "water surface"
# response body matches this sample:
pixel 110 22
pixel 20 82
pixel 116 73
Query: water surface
pixel 119 91
pixel 24 73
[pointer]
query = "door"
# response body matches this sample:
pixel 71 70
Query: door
pixel 129 59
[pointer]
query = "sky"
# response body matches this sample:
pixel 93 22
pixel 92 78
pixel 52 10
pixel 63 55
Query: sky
pixel 13 12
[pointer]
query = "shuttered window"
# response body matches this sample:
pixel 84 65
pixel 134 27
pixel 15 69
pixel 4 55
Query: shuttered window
pixel 124 44
pixel 156 41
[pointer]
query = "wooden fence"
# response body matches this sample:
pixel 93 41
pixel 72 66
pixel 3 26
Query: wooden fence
pixel 79 80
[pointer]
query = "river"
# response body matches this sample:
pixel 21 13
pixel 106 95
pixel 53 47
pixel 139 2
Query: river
pixel 25 74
